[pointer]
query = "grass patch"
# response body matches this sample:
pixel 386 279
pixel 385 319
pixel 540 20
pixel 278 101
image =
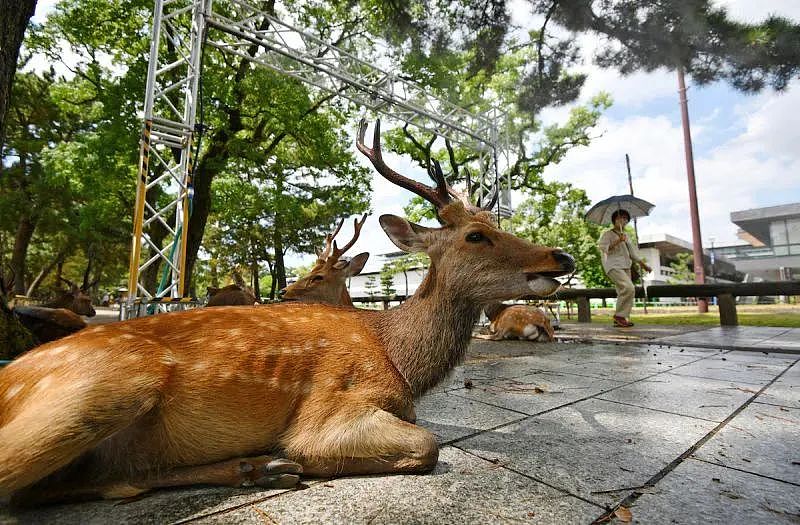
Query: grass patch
pixel 788 320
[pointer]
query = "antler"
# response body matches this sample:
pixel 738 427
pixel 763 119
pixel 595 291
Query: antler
pixel 438 196
pixel 72 285
pixel 321 256
pixel 435 172
pixel 356 232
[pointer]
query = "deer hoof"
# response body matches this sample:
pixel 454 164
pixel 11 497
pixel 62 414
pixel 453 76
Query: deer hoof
pixel 278 481
pixel 281 466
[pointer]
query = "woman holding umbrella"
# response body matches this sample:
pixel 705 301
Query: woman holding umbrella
pixel 618 252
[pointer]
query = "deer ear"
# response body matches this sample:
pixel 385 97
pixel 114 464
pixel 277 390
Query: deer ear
pixel 405 235
pixel 357 263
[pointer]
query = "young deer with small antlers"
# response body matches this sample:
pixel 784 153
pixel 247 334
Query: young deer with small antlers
pixel 326 282
pixel 189 397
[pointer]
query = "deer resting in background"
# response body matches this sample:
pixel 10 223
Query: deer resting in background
pixel 518 321
pixel 58 318
pixel 234 294
pixel 76 299
pixel 322 390
pixel 327 280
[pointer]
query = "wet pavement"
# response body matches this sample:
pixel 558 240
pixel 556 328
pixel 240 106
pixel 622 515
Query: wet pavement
pixel 671 427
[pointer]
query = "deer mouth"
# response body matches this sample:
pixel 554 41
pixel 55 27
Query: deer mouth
pixel 532 276
pixel 543 283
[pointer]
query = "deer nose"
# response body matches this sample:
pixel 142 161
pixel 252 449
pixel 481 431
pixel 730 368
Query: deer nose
pixel 566 260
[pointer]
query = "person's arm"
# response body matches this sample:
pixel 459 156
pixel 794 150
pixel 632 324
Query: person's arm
pixel 603 244
pixel 636 256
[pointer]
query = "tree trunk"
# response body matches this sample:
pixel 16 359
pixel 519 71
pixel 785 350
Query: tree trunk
pixel 25 228
pixel 16 14
pixel 58 260
pixel 254 277
pixel 280 268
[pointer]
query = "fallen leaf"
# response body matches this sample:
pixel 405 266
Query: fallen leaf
pixel 624 514
pixel 468 383
pixel 538 390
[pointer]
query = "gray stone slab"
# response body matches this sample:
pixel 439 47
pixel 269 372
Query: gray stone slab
pixel 595 449
pixel 686 395
pixel 462 489
pixel 762 439
pixel 163 506
pixel 534 393
pixel 729 335
pixel 697 492
pixel 626 363
pixel 788 339
pixel 739 370
pixel 450 417
pixel 785 391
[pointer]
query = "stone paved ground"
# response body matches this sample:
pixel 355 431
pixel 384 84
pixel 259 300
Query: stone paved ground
pixel 671 430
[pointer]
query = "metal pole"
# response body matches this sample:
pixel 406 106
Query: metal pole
pixel 630 185
pixel 697 243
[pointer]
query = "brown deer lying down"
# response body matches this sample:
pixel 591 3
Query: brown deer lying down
pixel 326 282
pixel 213 396
pixel 58 318
pixel 234 294
pixel 231 295
pixel 518 321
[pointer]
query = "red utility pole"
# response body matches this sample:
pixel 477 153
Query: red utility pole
pixel 697 243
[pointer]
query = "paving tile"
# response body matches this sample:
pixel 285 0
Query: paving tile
pixel 537 392
pixel 697 492
pixel 686 395
pixel 163 506
pixel 623 363
pixel 450 416
pixel 735 369
pixel 761 439
pixel 785 391
pixel 593 447
pixel 462 489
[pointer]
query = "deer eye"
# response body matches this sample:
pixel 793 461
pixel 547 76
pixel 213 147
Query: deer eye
pixel 316 278
pixel 475 237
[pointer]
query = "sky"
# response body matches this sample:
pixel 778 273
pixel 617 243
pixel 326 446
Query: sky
pixel 746 152
pixel 745 147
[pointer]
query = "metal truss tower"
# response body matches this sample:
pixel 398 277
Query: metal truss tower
pixel 180 30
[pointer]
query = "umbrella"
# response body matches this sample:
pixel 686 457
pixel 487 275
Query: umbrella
pixel 601 212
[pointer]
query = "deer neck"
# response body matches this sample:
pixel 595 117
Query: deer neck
pixel 428 335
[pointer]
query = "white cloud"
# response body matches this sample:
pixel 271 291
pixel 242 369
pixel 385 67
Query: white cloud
pixel 757 167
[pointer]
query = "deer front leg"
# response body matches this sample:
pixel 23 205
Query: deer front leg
pixel 376 442
pixel 261 471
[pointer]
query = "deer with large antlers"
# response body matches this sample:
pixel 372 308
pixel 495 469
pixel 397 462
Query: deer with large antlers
pixel 322 390
pixel 326 282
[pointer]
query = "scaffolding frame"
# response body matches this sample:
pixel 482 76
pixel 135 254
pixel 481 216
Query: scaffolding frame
pixel 171 103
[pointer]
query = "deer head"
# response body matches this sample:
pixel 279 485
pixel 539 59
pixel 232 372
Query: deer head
pixel 75 298
pixel 471 257
pixel 326 282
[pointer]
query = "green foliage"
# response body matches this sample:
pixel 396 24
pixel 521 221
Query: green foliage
pixel 555 218
pixel 371 286
pixel 387 280
pixel 683 266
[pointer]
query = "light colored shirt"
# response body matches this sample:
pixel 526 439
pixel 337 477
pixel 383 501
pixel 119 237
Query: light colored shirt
pixel 620 256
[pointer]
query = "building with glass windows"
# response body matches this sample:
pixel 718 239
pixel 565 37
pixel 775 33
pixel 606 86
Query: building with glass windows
pixel 772 234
